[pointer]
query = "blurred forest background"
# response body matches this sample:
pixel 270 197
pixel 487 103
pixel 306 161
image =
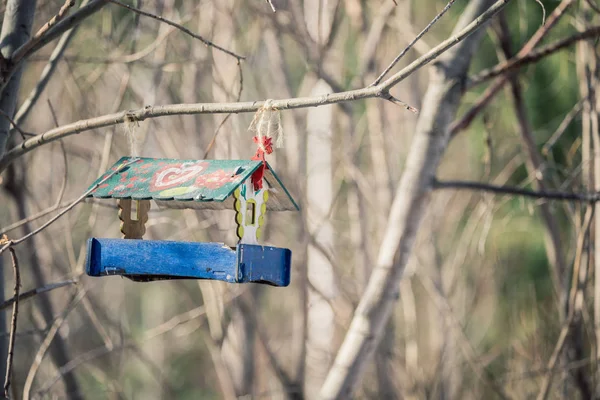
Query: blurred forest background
pixel 500 297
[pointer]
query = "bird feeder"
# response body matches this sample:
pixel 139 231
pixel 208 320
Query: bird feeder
pixel 250 187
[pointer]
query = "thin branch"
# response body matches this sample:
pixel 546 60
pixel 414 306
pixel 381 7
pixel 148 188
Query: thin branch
pixel 248 306
pixel 445 45
pixel 13 324
pixel 47 72
pixel 270 2
pixel 520 61
pixel 562 127
pixel 159 330
pixel 516 191
pixel 575 288
pixel 239 96
pixel 593 5
pixel 411 44
pixel 39 357
pixel 8 243
pixel 61 27
pixel 34 292
pixel 16 126
pixel 454 324
pixel 208 43
pixel 39 215
pixel 465 120
pixel 23 50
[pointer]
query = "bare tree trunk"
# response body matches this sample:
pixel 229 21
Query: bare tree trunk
pixel 320 317
pixel 431 137
pixel 323 288
pixel 588 74
pixel 16 29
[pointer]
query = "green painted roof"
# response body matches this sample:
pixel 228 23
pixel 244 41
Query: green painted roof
pixel 187 183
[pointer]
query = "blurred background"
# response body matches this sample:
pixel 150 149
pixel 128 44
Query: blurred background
pixel 481 305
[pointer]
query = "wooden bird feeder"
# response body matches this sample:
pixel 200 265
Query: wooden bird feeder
pixel 250 187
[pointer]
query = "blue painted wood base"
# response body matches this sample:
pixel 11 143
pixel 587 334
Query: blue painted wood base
pixel 147 260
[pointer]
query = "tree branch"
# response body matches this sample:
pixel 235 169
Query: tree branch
pixel 534 56
pixel 23 50
pixel 47 72
pixel 381 90
pixel 27 49
pixel 13 324
pixel 415 40
pixel 516 191
pixel 34 292
pixel 6 244
pixel 182 28
pixel 576 287
pixel 466 119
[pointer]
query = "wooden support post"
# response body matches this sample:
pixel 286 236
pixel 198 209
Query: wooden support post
pixel 133 227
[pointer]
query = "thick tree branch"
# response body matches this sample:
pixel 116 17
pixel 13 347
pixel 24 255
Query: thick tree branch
pixel 381 90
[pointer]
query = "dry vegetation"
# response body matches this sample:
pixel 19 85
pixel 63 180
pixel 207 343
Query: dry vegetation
pixel 446 253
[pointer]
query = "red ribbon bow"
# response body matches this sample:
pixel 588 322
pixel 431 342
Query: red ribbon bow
pixel 265 146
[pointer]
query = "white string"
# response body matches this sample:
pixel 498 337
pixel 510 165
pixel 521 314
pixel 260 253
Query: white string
pixel 131 125
pixel 267 122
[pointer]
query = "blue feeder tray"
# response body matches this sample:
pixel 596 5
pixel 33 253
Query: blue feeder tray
pixel 147 260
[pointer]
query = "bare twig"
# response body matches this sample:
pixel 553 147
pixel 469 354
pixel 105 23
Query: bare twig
pixel 27 49
pixel 543 11
pixel 519 61
pixel 575 288
pixel 34 292
pixel 47 72
pixel 13 324
pixel 464 121
pixel 180 27
pixel 562 127
pixel 16 126
pixel 515 191
pixel 38 215
pixel 454 324
pixel 270 2
pixel 39 357
pixel 23 50
pixel 411 44
pixel 157 331
pixel 248 306
pixel 593 5
pixel 239 96
pixel 8 243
